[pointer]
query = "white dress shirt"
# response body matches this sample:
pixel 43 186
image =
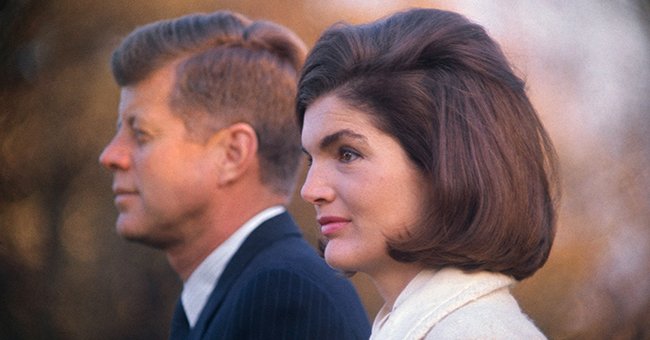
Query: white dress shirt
pixel 201 283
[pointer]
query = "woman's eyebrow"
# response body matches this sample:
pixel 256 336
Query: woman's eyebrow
pixel 328 140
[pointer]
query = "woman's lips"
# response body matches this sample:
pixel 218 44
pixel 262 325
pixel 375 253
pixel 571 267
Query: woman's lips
pixel 331 224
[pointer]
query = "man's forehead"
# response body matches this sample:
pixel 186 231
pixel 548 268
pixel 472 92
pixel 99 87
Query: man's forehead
pixel 133 106
pixel 152 91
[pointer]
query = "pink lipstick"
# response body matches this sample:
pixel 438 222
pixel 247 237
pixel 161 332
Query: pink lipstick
pixel 331 224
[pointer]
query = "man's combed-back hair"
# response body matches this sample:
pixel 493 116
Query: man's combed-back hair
pixel 444 90
pixel 228 69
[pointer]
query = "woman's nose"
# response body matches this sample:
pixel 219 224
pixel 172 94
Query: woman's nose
pixel 317 189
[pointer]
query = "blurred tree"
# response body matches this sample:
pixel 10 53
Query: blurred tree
pixel 64 274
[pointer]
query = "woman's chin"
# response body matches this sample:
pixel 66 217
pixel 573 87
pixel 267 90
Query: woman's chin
pixel 338 259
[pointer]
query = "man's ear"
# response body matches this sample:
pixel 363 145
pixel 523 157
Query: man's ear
pixel 239 144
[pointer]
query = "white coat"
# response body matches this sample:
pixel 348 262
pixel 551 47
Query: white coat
pixel 452 304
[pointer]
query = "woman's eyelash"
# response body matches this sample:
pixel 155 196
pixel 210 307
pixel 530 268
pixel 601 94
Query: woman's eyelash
pixel 347 154
pixel 344 155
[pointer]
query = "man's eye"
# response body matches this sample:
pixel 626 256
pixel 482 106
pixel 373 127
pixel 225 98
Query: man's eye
pixel 140 136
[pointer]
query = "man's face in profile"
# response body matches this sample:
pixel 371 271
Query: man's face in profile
pixel 163 181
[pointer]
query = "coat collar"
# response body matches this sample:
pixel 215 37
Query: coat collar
pixel 277 228
pixel 431 296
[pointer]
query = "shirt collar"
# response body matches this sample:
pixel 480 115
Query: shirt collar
pixel 201 283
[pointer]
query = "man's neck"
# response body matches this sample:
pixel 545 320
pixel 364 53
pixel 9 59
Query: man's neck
pixel 202 240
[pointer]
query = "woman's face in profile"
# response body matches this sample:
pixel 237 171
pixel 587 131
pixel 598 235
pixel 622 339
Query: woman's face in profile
pixel 361 182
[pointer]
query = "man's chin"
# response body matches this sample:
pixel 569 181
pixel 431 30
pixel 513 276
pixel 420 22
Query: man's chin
pixel 141 237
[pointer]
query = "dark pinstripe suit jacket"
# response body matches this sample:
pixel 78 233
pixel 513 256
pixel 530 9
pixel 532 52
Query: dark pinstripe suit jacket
pixel 277 287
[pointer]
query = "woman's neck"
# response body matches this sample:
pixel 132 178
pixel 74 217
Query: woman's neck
pixel 390 281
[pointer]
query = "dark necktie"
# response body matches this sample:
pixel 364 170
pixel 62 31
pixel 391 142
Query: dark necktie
pixel 180 326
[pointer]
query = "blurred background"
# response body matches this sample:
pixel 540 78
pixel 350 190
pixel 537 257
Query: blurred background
pixel 65 274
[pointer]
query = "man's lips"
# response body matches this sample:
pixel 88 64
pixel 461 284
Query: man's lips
pixel 122 194
pixel 332 224
pixel 119 190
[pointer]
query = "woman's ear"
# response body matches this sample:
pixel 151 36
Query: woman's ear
pixel 238 144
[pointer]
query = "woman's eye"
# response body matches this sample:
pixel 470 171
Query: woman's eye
pixel 347 155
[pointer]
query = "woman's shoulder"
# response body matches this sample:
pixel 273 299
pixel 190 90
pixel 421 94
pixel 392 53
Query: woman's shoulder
pixel 451 304
pixel 496 316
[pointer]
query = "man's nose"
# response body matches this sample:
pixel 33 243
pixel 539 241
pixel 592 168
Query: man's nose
pixel 115 156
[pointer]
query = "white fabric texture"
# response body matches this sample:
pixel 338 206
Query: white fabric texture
pixel 452 304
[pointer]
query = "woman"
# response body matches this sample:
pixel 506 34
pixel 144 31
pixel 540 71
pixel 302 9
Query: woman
pixel 429 171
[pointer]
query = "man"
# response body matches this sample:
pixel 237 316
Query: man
pixel 204 161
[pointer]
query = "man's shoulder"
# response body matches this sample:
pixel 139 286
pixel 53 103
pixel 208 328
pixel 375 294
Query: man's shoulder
pixel 293 256
pixel 291 266
pixel 279 243
pixel 293 287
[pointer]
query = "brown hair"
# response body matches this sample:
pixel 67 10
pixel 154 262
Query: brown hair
pixel 230 69
pixel 445 91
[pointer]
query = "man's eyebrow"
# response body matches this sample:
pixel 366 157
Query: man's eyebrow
pixel 328 140
pixel 130 121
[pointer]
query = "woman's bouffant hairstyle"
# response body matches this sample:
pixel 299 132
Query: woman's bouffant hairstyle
pixel 229 69
pixel 444 90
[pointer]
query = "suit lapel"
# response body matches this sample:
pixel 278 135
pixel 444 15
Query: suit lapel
pixel 274 229
pixel 180 327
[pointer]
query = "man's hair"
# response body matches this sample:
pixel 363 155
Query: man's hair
pixel 229 69
pixel 445 91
